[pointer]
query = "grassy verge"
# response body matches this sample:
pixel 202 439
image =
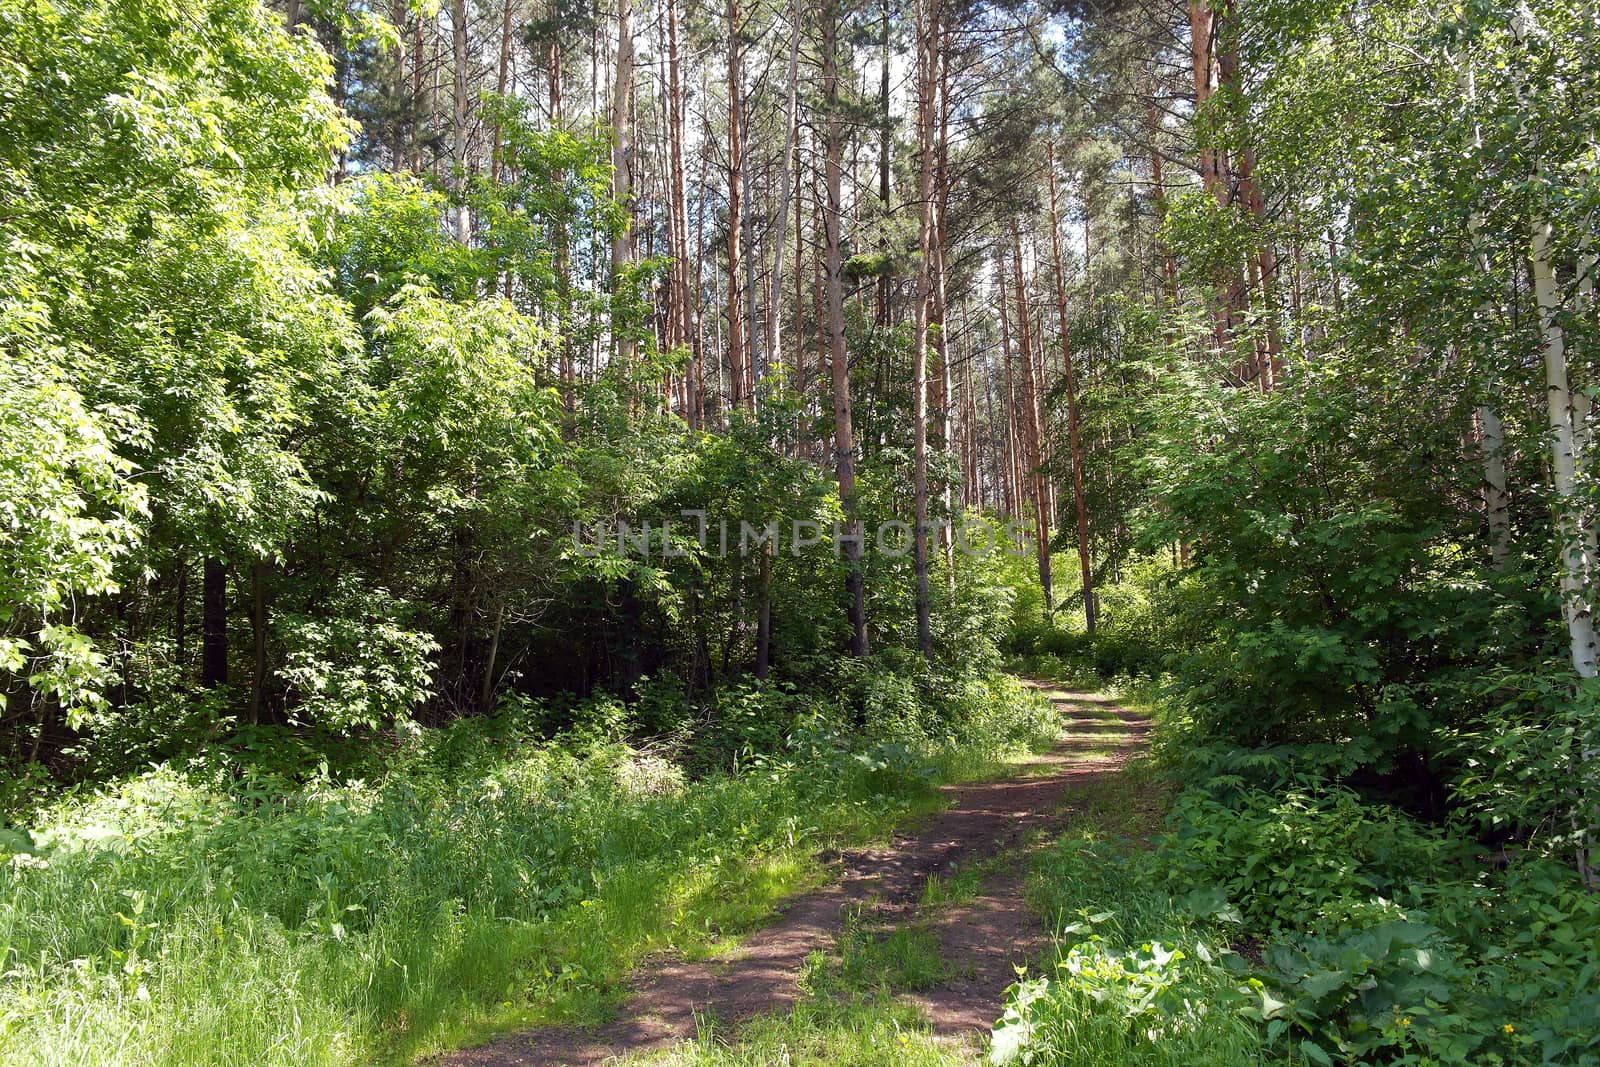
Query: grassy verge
pixel 1134 978
pixel 480 883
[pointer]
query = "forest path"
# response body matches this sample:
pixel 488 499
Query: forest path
pixel 982 933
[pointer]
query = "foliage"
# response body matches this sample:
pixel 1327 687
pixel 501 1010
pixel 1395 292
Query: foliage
pixel 68 513
pixel 1139 975
pixel 359 666
pixel 1526 765
pixel 1383 944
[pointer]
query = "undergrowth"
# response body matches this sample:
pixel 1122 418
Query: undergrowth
pixel 482 878
pixel 1278 916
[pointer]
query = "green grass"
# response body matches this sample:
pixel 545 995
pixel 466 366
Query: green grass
pixel 874 1031
pixel 872 958
pixel 477 885
pixel 1130 980
pixel 963 885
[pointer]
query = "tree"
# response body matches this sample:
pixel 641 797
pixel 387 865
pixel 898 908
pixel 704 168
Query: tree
pixel 839 360
pixel 927 103
pixel 622 160
pixel 740 380
pixel 1070 387
pixel 1032 458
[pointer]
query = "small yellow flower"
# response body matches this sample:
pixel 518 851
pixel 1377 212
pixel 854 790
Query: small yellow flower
pixel 1405 1022
pixel 1508 1028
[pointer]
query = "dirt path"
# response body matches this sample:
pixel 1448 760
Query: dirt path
pixel 985 935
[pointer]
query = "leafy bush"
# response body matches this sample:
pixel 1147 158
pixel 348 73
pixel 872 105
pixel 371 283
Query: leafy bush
pixel 357 664
pixel 1139 976
pixel 1527 766
pixel 1299 860
pixel 1391 941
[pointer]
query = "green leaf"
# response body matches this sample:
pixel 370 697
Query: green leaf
pixel 1314 1052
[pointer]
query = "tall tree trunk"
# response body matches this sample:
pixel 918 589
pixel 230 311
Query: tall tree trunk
pixel 973 495
pixel 819 307
pixel 1030 426
pixel 561 259
pixel 738 352
pixel 939 311
pixel 885 159
pixel 214 624
pixel 755 360
pixel 843 431
pixel 802 395
pixel 502 81
pixel 418 86
pixel 622 166
pixel 927 88
pixel 785 187
pixel 1575 561
pixel 1262 269
pixel 461 116
pixel 988 477
pixel 1201 22
pixel 1202 27
pixel 681 307
pixel 1074 439
pixel 697 316
pixel 397 87
pixel 1013 468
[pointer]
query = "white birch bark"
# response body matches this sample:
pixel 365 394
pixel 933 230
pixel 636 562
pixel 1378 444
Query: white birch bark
pixel 1576 559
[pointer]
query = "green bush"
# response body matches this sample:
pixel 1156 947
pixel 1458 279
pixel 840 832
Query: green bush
pixel 1303 859
pixel 1389 941
pixel 1139 976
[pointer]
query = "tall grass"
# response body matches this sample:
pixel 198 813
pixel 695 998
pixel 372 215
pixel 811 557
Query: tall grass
pixel 475 884
pixel 1136 975
pixel 1136 978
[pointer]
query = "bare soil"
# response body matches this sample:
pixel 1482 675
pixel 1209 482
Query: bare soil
pixel 985 937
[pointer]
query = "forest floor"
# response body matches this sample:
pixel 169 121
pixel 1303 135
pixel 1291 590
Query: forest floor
pixel 935 921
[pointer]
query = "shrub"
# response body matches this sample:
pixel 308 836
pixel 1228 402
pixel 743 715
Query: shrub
pixel 1139 976
pixel 1389 941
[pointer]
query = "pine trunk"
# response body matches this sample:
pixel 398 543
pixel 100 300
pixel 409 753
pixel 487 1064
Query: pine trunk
pixel 738 354
pixel 622 165
pixel 927 81
pixel 461 115
pixel 843 432
pixel 1033 453
pixel 1074 438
